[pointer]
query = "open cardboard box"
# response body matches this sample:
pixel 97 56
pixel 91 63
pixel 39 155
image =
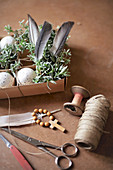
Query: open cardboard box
pixel 29 90
pixel 34 89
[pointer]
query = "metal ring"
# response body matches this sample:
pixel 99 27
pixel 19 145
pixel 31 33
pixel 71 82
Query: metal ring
pixel 58 159
pixel 69 144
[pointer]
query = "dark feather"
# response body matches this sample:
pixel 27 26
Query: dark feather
pixel 61 37
pixel 33 30
pixel 42 40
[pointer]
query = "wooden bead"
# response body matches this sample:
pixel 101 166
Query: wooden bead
pixel 40 110
pixel 33 114
pixel 34 117
pixel 51 117
pixel 44 111
pixel 46 124
pixel 38 121
pixel 36 110
pixel 48 114
pixel 41 123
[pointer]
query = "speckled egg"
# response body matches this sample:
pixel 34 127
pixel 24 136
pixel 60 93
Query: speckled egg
pixel 6 80
pixel 8 40
pixel 25 76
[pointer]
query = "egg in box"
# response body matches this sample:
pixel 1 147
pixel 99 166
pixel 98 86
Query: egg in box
pixel 25 76
pixel 6 80
pixel 44 48
pixel 6 41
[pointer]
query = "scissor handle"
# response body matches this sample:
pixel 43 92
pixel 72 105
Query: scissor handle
pixel 63 149
pixel 59 158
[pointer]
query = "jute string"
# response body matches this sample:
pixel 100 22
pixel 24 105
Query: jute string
pixel 91 124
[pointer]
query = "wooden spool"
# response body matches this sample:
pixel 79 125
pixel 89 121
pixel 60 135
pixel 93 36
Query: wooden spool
pixel 79 93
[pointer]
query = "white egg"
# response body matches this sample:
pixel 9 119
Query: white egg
pixel 25 76
pixel 6 80
pixel 8 40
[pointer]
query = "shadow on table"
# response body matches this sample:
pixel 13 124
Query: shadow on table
pixel 105 146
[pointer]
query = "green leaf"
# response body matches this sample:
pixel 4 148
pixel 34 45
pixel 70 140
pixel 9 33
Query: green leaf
pixel 52 81
pixel 48 69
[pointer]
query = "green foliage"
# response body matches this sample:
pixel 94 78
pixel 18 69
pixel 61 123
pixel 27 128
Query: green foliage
pixel 49 69
pixel 14 67
pixel 7 56
pixel 20 35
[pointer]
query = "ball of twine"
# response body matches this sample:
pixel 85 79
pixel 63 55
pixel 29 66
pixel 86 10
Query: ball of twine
pixel 91 124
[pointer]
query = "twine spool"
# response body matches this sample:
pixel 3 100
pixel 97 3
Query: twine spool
pixel 74 107
pixel 91 124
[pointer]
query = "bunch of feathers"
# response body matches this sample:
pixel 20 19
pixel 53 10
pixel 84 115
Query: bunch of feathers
pixel 39 39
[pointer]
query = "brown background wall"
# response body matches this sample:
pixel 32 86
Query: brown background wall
pixel 91 66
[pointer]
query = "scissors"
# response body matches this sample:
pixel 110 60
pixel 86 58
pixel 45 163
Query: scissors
pixel 42 146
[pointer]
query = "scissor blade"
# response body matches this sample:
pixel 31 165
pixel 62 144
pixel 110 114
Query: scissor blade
pixel 8 144
pixel 23 137
pixel 30 140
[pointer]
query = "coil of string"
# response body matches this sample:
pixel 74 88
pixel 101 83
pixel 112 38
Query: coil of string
pixel 91 124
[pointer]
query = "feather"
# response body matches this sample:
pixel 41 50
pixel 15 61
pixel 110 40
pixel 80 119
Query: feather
pixel 33 30
pixel 61 37
pixel 42 40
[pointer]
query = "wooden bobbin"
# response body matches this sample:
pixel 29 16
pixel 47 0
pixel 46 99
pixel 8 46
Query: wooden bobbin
pixel 74 107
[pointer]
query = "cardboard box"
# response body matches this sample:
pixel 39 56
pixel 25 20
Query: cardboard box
pixel 29 90
pixel 35 89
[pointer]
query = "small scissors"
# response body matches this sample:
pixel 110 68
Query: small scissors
pixel 41 145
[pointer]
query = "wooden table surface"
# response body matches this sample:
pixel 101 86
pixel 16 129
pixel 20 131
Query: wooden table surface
pixel 91 66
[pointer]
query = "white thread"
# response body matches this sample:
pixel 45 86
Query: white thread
pixel 9 113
